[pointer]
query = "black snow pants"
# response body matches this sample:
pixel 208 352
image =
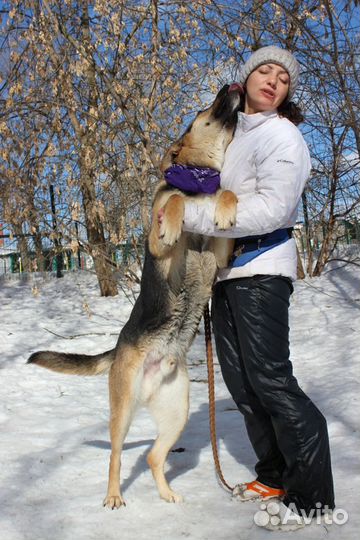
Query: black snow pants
pixel 287 431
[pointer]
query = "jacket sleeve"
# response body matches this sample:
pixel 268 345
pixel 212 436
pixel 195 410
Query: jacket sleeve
pixel 282 169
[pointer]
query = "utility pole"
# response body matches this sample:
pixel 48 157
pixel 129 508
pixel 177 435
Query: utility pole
pixel 78 250
pixel 57 243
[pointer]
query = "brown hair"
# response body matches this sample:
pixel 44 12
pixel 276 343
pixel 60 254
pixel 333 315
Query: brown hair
pixel 287 109
pixel 291 111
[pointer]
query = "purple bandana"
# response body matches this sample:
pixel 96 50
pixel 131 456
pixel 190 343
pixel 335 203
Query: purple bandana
pixel 193 179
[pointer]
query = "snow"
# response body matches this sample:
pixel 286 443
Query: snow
pixel 55 446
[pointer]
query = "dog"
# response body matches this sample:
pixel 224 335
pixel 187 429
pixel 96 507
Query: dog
pixel 148 365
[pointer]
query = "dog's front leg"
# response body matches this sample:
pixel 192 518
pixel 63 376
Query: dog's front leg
pixel 166 232
pixel 225 210
pixel 172 220
pixel 225 218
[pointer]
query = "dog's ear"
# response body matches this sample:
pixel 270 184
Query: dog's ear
pixel 171 155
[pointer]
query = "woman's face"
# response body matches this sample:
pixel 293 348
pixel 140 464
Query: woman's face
pixel 266 88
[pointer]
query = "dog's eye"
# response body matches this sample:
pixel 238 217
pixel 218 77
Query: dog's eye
pixel 207 124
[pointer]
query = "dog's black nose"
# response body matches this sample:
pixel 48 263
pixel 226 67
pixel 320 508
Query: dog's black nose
pixel 236 87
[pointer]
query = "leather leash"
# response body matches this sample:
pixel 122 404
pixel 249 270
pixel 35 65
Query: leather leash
pixel 211 383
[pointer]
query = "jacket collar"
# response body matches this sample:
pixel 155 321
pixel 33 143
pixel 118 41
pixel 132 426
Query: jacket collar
pixel 247 122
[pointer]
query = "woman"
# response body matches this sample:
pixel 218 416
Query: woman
pixel 267 165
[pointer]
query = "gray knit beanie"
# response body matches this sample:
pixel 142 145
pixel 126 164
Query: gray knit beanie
pixel 273 55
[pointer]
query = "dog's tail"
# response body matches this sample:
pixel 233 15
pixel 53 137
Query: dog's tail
pixel 74 364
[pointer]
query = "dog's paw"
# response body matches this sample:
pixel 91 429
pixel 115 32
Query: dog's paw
pixel 170 227
pixel 169 233
pixel 171 497
pixel 225 210
pixel 113 501
pixel 224 222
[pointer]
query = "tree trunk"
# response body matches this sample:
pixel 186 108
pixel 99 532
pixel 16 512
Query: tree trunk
pixel 300 269
pixel 309 250
pixel 326 248
pixel 94 226
pixel 23 248
pixel 96 237
pixel 40 260
pixel 34 226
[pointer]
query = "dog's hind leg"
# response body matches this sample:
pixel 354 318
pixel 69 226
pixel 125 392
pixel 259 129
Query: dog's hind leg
pixel 124 388
pixel 169 408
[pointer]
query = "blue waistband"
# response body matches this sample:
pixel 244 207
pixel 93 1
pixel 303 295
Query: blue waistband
pixel 248 248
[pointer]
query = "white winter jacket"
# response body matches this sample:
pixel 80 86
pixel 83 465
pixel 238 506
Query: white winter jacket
pixel 266 165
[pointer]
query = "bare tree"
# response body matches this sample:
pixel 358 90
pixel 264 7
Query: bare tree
pixel 100 88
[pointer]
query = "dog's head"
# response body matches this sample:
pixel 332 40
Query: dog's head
pixel 206 139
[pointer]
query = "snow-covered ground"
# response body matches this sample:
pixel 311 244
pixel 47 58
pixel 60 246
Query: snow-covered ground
pixel 54 441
